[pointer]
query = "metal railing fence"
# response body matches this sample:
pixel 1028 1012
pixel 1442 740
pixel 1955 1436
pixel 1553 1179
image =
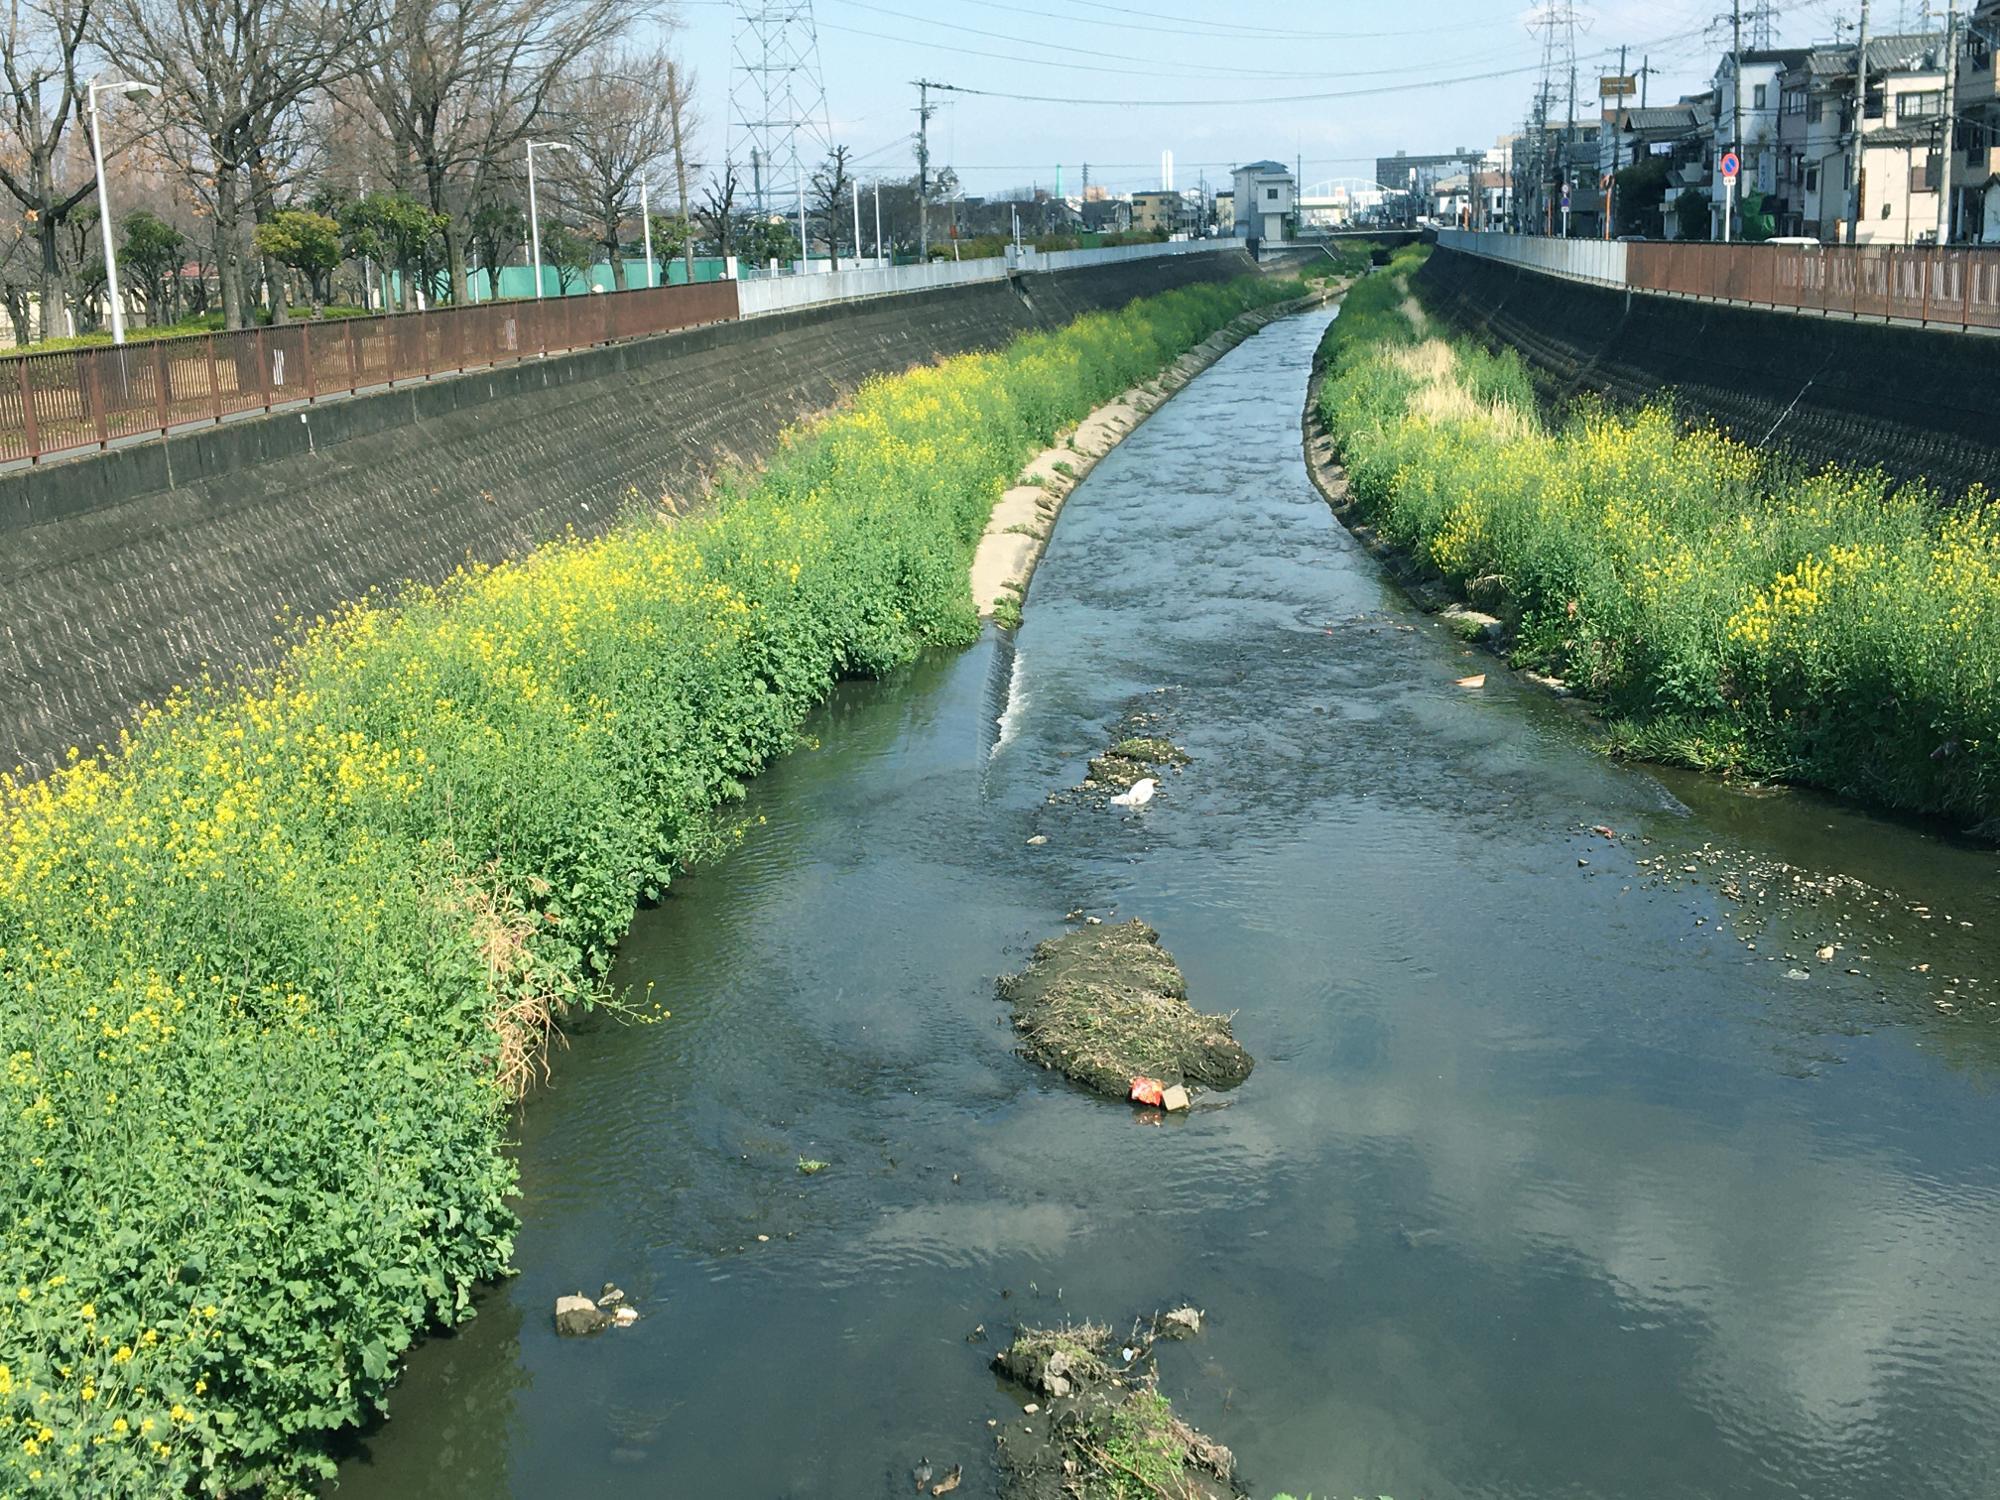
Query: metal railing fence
pixel 1939 286
pixel 91 397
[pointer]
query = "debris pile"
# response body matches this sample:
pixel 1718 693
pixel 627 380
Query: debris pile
pixel 1102 1427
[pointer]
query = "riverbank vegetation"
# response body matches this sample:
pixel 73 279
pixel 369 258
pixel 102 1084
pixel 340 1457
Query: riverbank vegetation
pixel 274 969
pixel 1729 609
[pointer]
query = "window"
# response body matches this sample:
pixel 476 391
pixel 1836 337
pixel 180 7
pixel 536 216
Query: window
pixel 1812 179
pixel 1271 195
pixel 1874 110
pixel 1926 105
pixel 1815 109
pixel 1793 101
pixel 1757 96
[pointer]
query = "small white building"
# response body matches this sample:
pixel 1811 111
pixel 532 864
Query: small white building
pixel 1265 200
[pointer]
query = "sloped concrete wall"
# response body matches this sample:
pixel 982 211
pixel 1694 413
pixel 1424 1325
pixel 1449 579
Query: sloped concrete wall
pixel 1918 402
pixel 126 573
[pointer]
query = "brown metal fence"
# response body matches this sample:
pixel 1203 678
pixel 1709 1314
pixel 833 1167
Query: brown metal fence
pixel 1955 288
pixel 84 398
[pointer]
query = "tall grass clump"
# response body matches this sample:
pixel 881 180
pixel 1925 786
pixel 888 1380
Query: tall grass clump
pixel 1730 609
pixel 273 970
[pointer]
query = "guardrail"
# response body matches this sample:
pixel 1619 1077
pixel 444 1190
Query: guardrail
pixel 91 397
pixel 781 293
pixel 1936 286
pixel 774 294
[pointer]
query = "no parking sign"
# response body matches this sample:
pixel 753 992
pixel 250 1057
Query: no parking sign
pixel 1731 165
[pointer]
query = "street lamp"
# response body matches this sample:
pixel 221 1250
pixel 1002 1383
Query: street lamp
pixel 646 219
pixel 130 89
pixel 534 221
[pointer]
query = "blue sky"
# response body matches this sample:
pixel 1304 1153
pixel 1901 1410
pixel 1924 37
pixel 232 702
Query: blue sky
pixel 1135 77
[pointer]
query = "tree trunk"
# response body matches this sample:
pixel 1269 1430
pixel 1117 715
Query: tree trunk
pixel 228 263
pixel 613 249
pixel 454 253
pixel 52 277
pixel 264 205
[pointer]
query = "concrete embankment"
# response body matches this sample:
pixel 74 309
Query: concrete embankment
pixel 1918 402
pixel 125 573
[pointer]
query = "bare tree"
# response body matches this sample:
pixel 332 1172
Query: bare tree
pixel 46 170
pixel 230 71
pixel 682 123
pixel 831 184
pixel 717 211
pixel 616 113
pixel 460 84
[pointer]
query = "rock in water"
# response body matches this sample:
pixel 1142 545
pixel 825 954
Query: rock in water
pixel 1107 1004
pixel 576 1316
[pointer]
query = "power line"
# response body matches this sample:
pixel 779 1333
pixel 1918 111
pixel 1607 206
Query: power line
pixel 1235 29
pixel 1153 65
pixel 1182 103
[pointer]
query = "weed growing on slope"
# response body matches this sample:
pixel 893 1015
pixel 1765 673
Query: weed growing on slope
pixel 273 971
pixel 1727 608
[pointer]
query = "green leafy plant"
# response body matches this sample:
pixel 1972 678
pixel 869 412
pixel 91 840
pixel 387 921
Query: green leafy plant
pixel 810 1167
pixel 307 242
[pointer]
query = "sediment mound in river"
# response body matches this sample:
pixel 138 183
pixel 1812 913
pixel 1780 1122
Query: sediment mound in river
pixel 1107 1005
pixel 1102 1431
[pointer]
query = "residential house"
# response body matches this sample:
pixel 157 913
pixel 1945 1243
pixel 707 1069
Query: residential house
pixel 1975 165
pixel 1266 201
pixel 1902 141
pixel 1156 212
pixel 1747 106
pixel 1691 168
pixel 1106 215
pixel 1225 213
pixel 1677 135
pixel 1583 191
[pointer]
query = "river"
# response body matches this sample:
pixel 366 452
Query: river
pixel 1566 1169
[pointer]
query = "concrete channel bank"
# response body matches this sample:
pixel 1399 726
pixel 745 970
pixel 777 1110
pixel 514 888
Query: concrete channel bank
pixel 127 572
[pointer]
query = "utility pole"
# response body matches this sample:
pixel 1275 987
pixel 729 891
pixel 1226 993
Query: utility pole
pixel 1945 123
pixel 1735 103
pixel 924 108
pixel 1617 145
pixel 675 102
pixel 1569 125
pixel 1855 155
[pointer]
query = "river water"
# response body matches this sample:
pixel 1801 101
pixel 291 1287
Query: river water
pixel 1568 1167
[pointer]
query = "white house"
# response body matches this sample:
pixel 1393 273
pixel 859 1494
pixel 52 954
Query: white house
pixel 1902 141
pixel 1266 199
pixel 1753 100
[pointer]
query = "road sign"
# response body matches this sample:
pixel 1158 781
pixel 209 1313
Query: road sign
pixel 1731 165
pixel 1617 85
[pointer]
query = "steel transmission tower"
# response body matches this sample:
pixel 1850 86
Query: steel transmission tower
pixel 777 101
pixel 1760 21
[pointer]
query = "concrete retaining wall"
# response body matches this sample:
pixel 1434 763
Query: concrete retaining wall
pixel 762 296
pixel 124 573
pixel 1918 402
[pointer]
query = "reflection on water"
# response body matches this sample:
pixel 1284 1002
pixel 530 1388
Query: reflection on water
pixel 1548 1182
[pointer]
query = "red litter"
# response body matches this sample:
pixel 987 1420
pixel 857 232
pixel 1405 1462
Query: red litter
pixel 1148 1091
